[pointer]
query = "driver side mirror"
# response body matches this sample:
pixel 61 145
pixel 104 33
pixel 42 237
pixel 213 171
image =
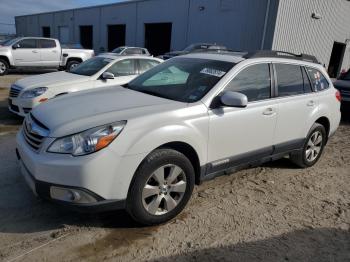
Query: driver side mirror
pixel 15 46
pixel 107 75
pixel 233 99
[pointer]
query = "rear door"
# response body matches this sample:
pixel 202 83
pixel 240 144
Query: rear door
pixel 124 71
pixel 50 53
pixel 296 102
pixel 26 52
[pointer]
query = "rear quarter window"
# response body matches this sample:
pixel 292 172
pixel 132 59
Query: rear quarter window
pixel 318 80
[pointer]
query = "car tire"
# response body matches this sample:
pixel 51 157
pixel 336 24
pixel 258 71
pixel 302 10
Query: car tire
pixel 153 198
pixel 4 67
pixel 313 147
pixel 72 64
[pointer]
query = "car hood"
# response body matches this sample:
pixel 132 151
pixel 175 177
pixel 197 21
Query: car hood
pixel 50 79
pixel 77 112
pixel 343 84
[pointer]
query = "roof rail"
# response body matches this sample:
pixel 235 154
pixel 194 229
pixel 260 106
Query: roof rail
pixel 282 54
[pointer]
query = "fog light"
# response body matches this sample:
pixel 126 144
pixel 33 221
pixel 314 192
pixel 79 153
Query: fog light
pixel 71 195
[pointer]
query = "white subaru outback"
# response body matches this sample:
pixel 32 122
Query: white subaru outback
pixel 144 146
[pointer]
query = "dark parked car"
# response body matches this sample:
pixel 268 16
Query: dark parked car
pixel 343 85
pixel 199 47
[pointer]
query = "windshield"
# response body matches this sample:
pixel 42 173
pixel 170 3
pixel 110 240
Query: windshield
pixel 181 79
pixel 9 42
pixel 91 66
pixel 118 50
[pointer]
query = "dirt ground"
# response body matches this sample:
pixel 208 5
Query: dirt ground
pixel 275 212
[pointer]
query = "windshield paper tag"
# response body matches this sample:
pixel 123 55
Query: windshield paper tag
pixel 213 72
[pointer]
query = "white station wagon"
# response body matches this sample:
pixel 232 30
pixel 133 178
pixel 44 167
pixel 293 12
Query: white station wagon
pixel 99 71
pixel 192 118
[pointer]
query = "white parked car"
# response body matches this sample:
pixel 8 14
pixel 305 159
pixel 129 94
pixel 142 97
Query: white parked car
pixel 99 71
pixel 192 118
pixel 40 53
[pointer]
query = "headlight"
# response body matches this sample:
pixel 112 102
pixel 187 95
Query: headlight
pixel 89 141
pixel 34 92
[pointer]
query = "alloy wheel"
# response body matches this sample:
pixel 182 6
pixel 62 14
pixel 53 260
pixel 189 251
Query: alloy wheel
pixel 2 67
pixel 314 146
pixel 164 189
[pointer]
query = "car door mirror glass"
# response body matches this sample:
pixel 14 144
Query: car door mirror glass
pixel 233 99
pixel 107 75
pixel 15 46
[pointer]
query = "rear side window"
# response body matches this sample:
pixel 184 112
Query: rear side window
pixel 318 80
pixel 146 65
pixel 27 43
pixel 133 51
pixel 254 82
pixel 123 68
pixel 45 43
pixel 290 80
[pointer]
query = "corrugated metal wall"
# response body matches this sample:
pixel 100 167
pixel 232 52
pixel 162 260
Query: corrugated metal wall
pixel 297 31
pixel 239 24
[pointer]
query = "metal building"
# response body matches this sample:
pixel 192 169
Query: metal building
pixel 318 27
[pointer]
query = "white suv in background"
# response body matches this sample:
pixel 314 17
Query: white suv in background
pixel 144 146
pixel 97 72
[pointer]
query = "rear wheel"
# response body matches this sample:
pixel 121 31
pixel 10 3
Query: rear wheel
pixel 72 64
pixel 313 147
pixel 162 187
pixel 4 67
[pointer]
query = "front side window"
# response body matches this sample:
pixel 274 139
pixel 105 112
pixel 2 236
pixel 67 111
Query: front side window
pixel 123 68
pixel 289 80
pixel 27 43
pixel 181 79
pixel 254 82
pixel 146 64
pixel 44 43
pixel 318 80
pixel 91 66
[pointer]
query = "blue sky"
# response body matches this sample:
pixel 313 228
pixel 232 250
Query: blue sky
pixel 11 8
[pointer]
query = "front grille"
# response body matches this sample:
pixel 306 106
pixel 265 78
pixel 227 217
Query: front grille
pixel 15 90
pixel 27 110
pixel 14 108
pixel 34 132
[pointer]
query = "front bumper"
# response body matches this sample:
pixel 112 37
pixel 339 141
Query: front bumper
pixel 104 175
pixel 43 190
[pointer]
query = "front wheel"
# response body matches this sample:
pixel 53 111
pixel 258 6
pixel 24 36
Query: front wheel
pixel 162 186
pixel 4 67
pixel 313 147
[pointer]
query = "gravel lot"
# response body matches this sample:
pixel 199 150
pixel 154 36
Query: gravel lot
pixel 276 212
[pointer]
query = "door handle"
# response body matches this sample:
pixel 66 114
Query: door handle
pixel 268 111
pixel 311 103
pixel 54 51
pixel 34 51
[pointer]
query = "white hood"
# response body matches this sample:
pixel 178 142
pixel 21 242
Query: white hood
pixel 51 79
pixel 83 110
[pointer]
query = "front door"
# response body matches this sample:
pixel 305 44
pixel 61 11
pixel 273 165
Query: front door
pixel 26 53
pixel 240 135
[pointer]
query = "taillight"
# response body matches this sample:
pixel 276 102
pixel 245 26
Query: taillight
pixel 338 95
